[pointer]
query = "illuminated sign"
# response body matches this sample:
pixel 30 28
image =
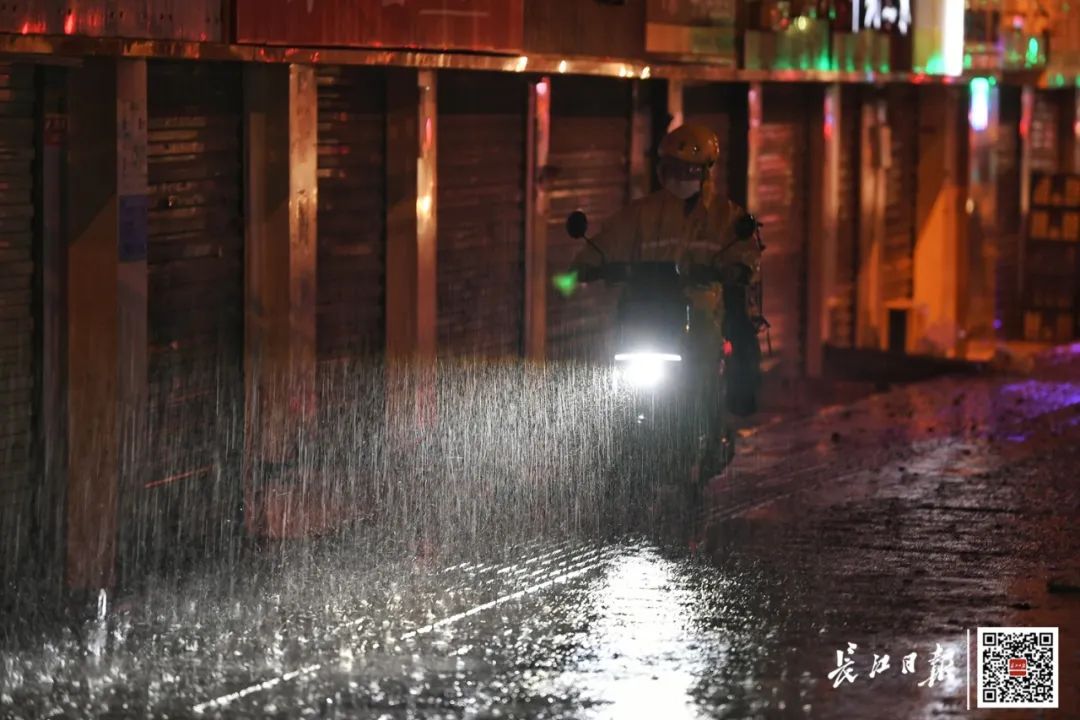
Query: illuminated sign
pixel 979 112
pixel 953 32
pixel 939 37
pixel 881 15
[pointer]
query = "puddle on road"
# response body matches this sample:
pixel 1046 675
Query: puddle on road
pixel 639 658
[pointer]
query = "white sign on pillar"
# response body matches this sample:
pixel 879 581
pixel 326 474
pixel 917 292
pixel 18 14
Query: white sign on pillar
pixel 939 37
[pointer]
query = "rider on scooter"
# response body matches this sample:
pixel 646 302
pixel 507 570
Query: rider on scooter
pixel 687 222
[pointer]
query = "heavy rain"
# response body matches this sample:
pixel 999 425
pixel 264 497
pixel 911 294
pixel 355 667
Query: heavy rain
pixel 480 574
pixel 539 359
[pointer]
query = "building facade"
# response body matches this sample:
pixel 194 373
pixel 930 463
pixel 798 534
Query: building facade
pixel 213 209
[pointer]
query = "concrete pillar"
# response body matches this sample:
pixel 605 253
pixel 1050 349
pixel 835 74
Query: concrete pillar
pixel 675 103
pixel 1027 108
pixel 538 139
pixel 412 145
pixel 281 184
pixel 833 131
pixel 107 341
pixel 823 184
pixel 411 244
pixel 940 257
pixel 753 142
pixel 870 327
pixel 981 201
pixel 1073 131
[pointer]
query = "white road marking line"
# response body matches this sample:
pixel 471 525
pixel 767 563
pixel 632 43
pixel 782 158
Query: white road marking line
pixel 474 568
pixel 516 569
pixel 504 599
pixel 605 555
pixel 475 579
pixel 531 560
pixel 265 685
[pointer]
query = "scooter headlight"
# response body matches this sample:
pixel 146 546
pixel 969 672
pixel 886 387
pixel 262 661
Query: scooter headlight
pixel 644 369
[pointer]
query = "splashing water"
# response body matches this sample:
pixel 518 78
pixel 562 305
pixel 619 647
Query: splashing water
pixel 100 632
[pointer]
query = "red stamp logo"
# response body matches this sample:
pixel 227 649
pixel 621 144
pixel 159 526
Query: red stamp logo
pixel 1017 667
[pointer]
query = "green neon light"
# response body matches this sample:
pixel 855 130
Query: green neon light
pixel 935 65
pixel 566 283
pixel 1033 51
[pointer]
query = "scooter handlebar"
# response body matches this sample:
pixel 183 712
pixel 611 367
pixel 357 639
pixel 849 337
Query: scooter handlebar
pixel 622 272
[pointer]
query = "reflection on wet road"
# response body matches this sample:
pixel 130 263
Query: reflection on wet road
pixel 618 630
pixel 891 526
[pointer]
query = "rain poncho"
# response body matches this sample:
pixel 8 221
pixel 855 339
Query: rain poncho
pixel 661 227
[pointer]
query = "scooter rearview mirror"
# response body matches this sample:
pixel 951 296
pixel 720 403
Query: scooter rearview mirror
pixel 746 226
pixel 577 224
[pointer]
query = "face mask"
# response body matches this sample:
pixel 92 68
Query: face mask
pixel 683 189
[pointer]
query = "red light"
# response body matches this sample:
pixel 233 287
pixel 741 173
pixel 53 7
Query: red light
pixel 728 349
pixel 69 24
pixel 25 29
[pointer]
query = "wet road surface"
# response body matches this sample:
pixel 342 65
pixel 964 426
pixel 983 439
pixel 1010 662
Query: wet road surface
pixel 896 524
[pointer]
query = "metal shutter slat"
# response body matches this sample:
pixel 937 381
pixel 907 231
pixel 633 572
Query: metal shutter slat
pixel 195 277
pixel 481 214
pixel 589 150
pixel 351 247
pixel 19 355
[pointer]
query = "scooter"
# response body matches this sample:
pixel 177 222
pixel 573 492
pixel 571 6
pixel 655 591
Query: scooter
pixel 667 388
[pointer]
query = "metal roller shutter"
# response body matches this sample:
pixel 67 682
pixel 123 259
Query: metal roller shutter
pixel 842 315
pixel 781 207
pixel 590 169
pixel 19 355
pixel 481 213
pixel 196 301
pixel 898 260
pixel 352 238
pixel 712 106
pixel 351 260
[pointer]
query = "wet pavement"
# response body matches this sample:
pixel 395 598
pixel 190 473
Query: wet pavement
pixel 895 524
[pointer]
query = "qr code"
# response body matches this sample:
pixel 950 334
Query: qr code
pixel 1018 667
